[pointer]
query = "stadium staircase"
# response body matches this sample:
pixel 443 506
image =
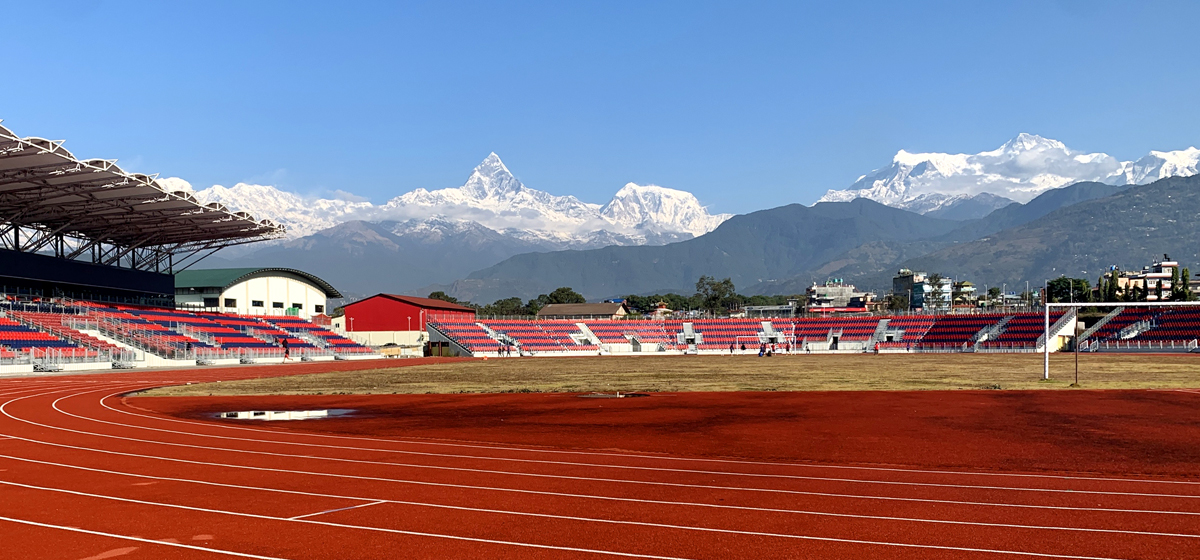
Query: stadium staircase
pixel 768 334
pixel 990 332
pixel 1135 329
pixel 1087 334
pixel 591 336
pixel 1058 328
pixel 880 334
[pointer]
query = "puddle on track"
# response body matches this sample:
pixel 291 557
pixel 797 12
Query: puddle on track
pixel 284 415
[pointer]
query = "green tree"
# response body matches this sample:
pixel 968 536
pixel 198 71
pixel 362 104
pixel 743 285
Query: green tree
pixel 714 294
pixel 994 293
pixel 565 295
pixel 442 296
pixel 1065 289
pixel 935 299
pixel 1112 288
pixel 507 306
pixel 1185 287
pixel 897 302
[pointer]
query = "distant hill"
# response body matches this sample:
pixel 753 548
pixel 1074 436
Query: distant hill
pixel 1017 214
pixel 779 243
pixel 1127 229
pixel 971 207
pixel 1077 230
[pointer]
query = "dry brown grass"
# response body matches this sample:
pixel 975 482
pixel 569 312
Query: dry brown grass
pixel 887 372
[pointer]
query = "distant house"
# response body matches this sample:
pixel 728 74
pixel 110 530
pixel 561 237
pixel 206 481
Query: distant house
pixel 837 295
pixel 583 311
pixel 916 286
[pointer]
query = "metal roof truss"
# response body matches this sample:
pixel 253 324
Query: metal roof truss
pixel 54 204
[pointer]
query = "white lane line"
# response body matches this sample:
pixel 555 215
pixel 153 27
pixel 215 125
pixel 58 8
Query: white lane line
pixel 439 455
pixel 593 496
pixel 376 500
pixel 137 539
pixel 375 503
pixel 639 456
pixel 543 546
pixel 377 529
pixel 54 405
pixel 550 493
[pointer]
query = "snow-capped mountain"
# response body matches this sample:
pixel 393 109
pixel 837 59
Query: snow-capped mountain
pixel 1021 169
pixel 653 207
pixel 493 198
pixel 301 216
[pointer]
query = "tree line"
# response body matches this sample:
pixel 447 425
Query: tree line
pixel 717 297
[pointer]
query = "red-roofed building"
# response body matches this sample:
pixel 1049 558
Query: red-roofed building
pixel 390 318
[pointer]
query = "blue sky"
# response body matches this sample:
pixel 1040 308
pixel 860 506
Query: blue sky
pixel 747 105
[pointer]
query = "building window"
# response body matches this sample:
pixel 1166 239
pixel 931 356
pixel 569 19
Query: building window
pixel 297 306
pixel 256 303
pixel 276 305
pixel 210 302
pixel 230 302
pixel 319 308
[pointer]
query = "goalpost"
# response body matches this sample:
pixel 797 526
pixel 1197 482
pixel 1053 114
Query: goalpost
pixel 1080 305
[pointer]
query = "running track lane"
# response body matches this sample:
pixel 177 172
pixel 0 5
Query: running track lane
pixel 73 463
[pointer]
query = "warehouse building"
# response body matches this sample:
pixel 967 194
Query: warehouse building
pixel 253 291
pixel 394 319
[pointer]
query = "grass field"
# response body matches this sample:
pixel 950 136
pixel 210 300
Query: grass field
pixel 856 372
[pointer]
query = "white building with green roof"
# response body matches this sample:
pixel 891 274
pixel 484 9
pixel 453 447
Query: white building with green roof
pixel 253 291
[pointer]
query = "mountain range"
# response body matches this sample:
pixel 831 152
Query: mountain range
pixel 1078 230
pixel 492 197
pixel 494 237
pixel 1019 170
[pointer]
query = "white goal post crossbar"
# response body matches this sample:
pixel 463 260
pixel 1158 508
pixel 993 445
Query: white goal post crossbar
pixel 1077 305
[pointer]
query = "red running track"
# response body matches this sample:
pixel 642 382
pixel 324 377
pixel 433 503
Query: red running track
pixel 88 473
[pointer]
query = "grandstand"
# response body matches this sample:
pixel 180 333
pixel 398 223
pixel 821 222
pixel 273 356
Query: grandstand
pixel 88 254
pixel 983 332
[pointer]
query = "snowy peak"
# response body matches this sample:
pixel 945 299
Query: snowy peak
pixel 301 216
pixel 1160 165
pixel 1025 142
pixel 659 208
pixel 491 179
pixel 1019 169
pixel 491 198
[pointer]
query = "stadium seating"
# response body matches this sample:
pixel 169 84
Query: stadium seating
pixel 1022 331
pixel 647 332
pixel 956 330
pixel 468 335
pixel 1173 325
pixel 17 338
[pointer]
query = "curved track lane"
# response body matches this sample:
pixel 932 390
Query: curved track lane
pixel 86 469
